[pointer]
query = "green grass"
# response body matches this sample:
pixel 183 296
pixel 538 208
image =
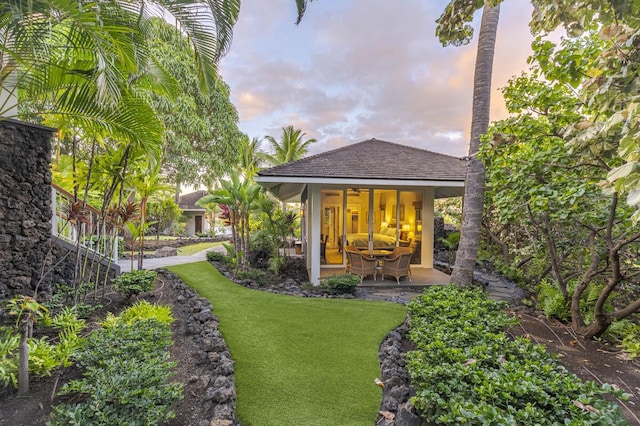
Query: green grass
pixel 299 361
pixel 195 248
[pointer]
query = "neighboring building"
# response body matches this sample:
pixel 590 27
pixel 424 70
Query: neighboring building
pixel 374 195
pixel 196 215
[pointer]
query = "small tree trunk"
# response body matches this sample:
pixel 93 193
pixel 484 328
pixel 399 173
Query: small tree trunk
pixel 595 329
pixel 23 356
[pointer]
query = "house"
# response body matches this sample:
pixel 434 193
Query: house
pixel 372 194
pixel 196 215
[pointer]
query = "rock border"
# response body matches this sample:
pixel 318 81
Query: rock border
pixel 396 409
pixel 217 386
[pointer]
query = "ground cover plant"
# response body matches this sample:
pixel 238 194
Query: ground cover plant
pixel 466 371
pixel 42 354
pixel 125 381
pixel 298 360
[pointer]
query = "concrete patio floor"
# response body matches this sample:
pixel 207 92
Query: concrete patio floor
pixel 420 277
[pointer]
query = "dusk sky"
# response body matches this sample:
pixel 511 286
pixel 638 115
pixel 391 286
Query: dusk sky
pixel 359 69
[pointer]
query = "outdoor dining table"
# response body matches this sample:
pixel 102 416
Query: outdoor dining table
pixel 378 254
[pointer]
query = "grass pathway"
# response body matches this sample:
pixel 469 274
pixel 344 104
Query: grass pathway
pixel 299 361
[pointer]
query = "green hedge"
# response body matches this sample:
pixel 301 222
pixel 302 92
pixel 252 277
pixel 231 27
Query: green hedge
pixel 340 284
pixel 467 372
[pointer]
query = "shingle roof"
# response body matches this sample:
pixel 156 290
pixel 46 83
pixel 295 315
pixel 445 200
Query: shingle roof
pixel 375 159
pixel 188 201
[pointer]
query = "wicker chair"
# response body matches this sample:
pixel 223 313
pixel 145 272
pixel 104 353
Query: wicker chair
pixel 397 264
pixel 359 264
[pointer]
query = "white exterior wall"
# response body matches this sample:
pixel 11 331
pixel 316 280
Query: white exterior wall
pixel 190 225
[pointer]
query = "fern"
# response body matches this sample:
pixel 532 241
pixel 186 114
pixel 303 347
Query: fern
pixel 552 302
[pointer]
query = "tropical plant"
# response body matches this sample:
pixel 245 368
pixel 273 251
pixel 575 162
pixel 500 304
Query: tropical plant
pixel 291 146
pixel 239 197
pixel 127 374
pixel 147 182
pixel 59 50
pixel 135 282
pixel 162 211
pixel 27 310
pixel 453 29
pixel 251 157
pixel 340 284
pixel 44 354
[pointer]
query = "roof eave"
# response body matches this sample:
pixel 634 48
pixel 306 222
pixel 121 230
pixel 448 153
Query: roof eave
pixel 358 181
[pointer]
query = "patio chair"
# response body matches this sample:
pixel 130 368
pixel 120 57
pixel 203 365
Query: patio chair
pixel 361 265
pixel 323 249
pixel 346 249
pixel 397 265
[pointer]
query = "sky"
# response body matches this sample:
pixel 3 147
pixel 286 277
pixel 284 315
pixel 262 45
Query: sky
pixel 360 69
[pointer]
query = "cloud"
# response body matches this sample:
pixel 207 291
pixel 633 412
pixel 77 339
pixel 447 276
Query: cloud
pixel 358 69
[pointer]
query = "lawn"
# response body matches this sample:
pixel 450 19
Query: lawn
pixel 195 248
pixel 299 361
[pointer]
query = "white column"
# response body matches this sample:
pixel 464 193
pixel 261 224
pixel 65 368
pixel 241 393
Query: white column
pixel 313 246
pixel 427 228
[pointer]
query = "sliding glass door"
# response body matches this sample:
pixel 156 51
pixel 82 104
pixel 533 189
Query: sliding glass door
pixel 369 219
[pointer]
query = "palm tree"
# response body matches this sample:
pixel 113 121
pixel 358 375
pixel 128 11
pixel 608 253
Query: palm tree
pixel 452 28
pixel 250 156
pixel 240 197
pixel 290 148
pixel 147 182
pixel 79 61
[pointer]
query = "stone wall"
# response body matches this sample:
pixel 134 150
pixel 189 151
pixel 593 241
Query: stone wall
pixel 63 256
pixel 25 208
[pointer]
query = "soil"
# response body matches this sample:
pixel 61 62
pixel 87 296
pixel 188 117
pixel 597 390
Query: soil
pixel 589 360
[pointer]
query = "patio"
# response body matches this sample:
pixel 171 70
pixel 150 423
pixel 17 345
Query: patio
pixel 420 278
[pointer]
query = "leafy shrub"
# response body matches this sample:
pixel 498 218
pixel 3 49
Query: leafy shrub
pixel 341 284
pixel 44 355
pixel 466 371
pixel 216 256
pixel 552 302
pixel 260 277
pixel 141 310
pixel 9 341
pixel 135 282
pixel 451 241
pixel 126 378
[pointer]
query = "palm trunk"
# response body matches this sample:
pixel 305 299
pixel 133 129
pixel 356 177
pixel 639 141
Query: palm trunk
pixel 474 184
